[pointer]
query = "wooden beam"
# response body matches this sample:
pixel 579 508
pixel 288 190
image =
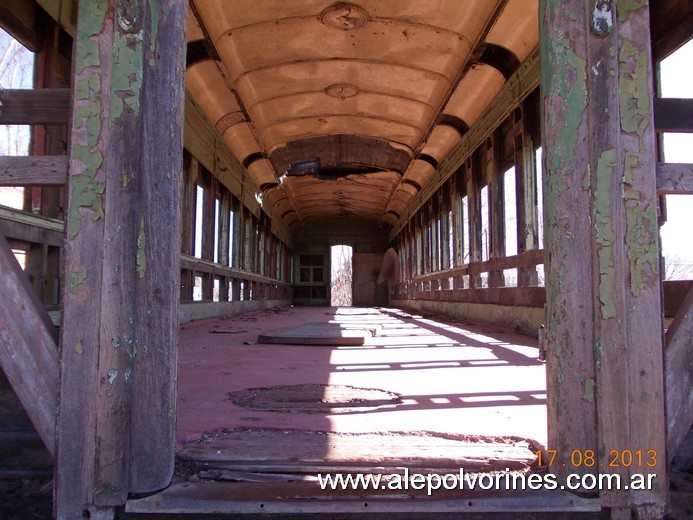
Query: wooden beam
pixel 45 170
pixel 674 178
pixel 604 317
pixel 46 106
pixel 116 422
pixel 679 376
pixel 672 26
pixel 28 353
pixel 520 296
pixel 673 114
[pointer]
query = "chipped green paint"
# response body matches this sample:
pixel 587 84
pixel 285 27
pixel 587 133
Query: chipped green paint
pixel 605 232
pixel 154 32
pixel 87 118
pixel 126 75
pixel 87 87
pixel 92 16
pixel 564 94
pixel 624 7
pixel 112 376
pixel 124 180
pixel 115 342
pixel 85 192
pixel 79 348
pixel 634 91
pixel 567 91
pixel 645 398
pixel 141 250
pixel 641 232
pixel 77 278
pixel 589 390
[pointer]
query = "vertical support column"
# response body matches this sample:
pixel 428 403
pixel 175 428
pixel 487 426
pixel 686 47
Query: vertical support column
pixel 605 363
pixel 116 423
pixel 474 194
pixel 496 206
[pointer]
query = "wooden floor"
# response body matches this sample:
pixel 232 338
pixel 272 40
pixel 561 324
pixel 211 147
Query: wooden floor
pixel 419 391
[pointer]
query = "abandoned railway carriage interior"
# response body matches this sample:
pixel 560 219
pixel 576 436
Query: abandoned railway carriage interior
pixel 187 187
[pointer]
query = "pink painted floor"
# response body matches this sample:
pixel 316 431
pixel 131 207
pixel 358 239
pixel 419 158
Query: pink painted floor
pixel 453 377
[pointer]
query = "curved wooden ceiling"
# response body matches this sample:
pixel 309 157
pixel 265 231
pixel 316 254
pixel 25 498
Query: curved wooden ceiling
pixel 345 109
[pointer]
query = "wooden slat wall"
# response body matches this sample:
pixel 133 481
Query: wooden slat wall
pixel 46 170
pixel 34 106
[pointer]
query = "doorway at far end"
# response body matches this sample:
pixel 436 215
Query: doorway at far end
pixel 341 276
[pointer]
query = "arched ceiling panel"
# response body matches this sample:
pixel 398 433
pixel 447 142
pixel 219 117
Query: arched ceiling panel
pixel 442 140
pixel 366 75
pixel 334 99
pixel 319 104
pixel 241 140
pixel 281 133
pixel 474 93
pixel 517 28
pixel 209 90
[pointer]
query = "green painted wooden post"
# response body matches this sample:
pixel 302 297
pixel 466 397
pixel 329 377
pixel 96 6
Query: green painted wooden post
pixel 603 292
pixel 116 423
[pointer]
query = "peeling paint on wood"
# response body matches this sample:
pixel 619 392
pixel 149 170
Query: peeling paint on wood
pixel 589 390
pixel 641 233
pixel 87 193
pixel 126 76
pixel 141 250
pixel 624 7
pixel 635 105
pixel 77 278
pixel 605 232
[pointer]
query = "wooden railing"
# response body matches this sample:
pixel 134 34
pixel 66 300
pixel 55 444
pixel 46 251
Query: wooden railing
pixel 234 284
pixel 464 283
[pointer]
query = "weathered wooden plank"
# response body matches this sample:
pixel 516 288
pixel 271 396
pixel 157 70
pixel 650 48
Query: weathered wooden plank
pixel 29 228
pixel 603 303
pixel 525 259
pixel 120 321
pixel 204 266
pixel 28 353
pixel 673 114
pixel 521 296
pixel 34 106
pixel 675 292
pixel 158 241
pixel 47 170
pixel 672 26
pixel 572 418
pixel 674 178
pixel 679 376
pixel 306 499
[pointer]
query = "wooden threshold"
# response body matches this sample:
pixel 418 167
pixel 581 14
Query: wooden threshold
pixel 308 498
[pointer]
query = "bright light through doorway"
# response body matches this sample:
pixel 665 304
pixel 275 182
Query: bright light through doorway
pixel 341 276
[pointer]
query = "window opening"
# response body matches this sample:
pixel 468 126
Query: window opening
pixel 510 210
pixel 16 71
pixel 199 214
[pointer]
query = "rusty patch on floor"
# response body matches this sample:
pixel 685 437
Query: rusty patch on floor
pixel 313 398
